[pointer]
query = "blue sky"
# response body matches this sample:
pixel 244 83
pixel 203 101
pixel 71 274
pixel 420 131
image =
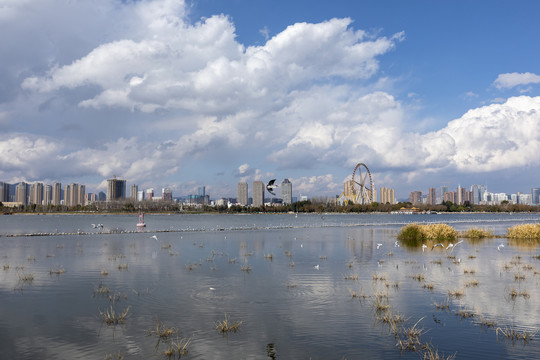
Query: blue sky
pixel 182 94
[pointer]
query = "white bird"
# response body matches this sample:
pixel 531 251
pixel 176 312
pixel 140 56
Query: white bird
pixel 301 245
pixel 396 244
pixel 316 267
pixel 456 244
pixel 93 226
pixel 154 237
pixel 499 247
pixel 424 246
pixel 379 245
pixel 449 246
pixel 212 289
pixel 439 244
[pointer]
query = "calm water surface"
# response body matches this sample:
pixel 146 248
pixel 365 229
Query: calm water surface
pixel 192 276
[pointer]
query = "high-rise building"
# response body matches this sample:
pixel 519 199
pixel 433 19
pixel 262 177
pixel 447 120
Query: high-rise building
pixel 149 194
pixel 461 194
pixel 21 193
pixel 133 192
pixel 286 192
pixel 4 192
pixel 74 195
pixel 258 193
pixel 348 188
pixel 47 197
pixel 116 189
pixel 415 197
pixel 243 193
pixel 387 195
pixel 478 193
pixel 202 191
pixel 36 193
pixel 56 193
pixel 535 196
pixel 166 194
pixel 432 197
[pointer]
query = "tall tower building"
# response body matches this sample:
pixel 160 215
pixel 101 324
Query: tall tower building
pixel 47 197
pixel 21 193
pixel 348 188
pixel 36 193
pixel 166 194
pixel 478 193
pixel 258 193
pixel 432 197
pixel 116 189
pixel 286 192
pixel 535 196
pixel 415 197
pixel 387 195
pixel 242 193
pixel 4 192
pixel 133 192
pixel 56 193
pixel 149 194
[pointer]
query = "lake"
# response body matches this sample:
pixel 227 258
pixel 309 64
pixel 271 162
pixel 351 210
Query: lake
pixel 306 286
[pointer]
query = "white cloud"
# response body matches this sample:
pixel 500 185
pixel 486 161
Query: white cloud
pixel 498 136
pixel 510 80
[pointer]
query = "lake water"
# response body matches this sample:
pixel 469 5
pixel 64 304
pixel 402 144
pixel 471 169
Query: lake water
pixel 261 270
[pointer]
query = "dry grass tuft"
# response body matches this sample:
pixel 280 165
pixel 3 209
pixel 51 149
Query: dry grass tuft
pixel 511 333
pixel 162 331
pixel 524 231
pixel 227 325
pixel 475 233
pixel 415 234
pixel 473 282
pixel 112 317
pixel 456 293
pixel 443 305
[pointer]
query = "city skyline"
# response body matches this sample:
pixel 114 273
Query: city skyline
pixel 174 94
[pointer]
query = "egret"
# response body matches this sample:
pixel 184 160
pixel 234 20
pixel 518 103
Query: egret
pixel 449 246
pixel 155 238
pixel 456 244
pixel 396 244
pixel 378 246
pixel 316 267
pixel 439 244
pixel 499 247
pixel 424 246
pixel 93 226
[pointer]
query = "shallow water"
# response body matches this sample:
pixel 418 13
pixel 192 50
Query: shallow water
pixel 287 311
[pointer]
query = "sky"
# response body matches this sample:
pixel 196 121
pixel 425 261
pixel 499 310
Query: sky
pixel 182 94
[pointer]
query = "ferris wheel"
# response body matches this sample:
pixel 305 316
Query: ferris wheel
pixel 363 184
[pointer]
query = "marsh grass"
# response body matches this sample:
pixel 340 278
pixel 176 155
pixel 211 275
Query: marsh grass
pixel 418 277
pixel 104 273
pixel 269 256
pixel 123 267
pixel 429 286
pixel 469 271
pixel 358 295
pixel 415 234
pixel 6 267
pixel 112 317
pixel 246 268
pixel 471 283
pixel 26 277
pixel 442 305
pixel 379 277
pixel 409 338
pixel 350 277
pixel 464 314
pixel 513 334
pixel 181 346
pixel 380 304
pixel 57 271
pixel 456 293
pixel 524 232
pixel 516 293
pixel 477 233
pixel 114 356
pixel 227 325
pixel 162 331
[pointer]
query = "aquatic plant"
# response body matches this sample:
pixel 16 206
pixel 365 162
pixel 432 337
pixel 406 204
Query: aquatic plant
pixel 350 277
pixel 476 233
pixel 473 282
pixel 456 293
pixel 511 333
pixel 114 356
pixel 111 317
pixel 524 232
pixel 162 331
pixel 429 286
pixel 443 305
pixel 415 234
pixel 26 277
pixel 227 325
pixel 181 346
pixel 57 271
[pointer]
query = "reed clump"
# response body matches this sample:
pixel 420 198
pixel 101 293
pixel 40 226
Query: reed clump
pixel 477 233
pixel 511 333
pixel 112 317
pixel 226 325
pixel 524 231
pixel 415 234
pixel 162 331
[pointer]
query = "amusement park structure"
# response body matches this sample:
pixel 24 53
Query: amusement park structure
pixel 360 189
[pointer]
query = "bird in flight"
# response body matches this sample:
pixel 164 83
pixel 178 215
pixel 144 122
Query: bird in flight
pixel 271 186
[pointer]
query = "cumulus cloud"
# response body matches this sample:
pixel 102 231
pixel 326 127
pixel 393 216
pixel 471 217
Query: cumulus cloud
pixel 510 80
pixel 498 136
